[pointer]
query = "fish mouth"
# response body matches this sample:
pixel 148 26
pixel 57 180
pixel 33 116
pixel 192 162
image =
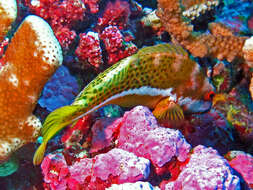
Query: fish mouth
pixel 197 106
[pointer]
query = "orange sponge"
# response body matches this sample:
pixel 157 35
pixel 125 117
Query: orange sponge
pixel 30 59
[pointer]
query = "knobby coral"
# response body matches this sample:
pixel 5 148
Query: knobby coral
pixel 221 43
pixel 30 59
pixel 219 46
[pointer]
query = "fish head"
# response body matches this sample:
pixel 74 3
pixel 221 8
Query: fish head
pixel 201 100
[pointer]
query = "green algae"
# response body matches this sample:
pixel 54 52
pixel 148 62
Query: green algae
pixel 9 167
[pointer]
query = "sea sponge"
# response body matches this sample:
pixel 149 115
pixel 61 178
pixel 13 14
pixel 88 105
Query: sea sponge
pixel 30 59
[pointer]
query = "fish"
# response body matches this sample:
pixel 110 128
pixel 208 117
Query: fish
pixel 145 78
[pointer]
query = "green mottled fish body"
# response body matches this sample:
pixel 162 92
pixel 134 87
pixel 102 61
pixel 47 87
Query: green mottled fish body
pixel 144 78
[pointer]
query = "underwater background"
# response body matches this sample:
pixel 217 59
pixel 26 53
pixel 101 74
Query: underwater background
pixel 137 94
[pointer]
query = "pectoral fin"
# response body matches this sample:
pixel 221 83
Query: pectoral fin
pixel 168 111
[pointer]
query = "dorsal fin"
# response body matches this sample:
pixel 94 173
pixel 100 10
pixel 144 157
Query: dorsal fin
pixel 169 49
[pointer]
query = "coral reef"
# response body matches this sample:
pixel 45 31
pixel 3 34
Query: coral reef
pixel 200 54
pixel 199 45
pixel 139 133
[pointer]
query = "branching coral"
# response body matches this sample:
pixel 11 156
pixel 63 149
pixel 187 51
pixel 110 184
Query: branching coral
pixel 221 43
pixel 30 59
pixel 219 46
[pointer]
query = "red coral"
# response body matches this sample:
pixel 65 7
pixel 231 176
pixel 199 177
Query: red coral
pixel 115 45
pixel 92 4
pixel 65 36
pixel 61 15
pixel 74 134
pixel 89 49
pixel 116 14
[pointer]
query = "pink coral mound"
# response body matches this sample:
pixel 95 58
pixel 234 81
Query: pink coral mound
pixel 242 163
pixel 207 170
pixel 55 171
pixel 116 166
pixel 140 134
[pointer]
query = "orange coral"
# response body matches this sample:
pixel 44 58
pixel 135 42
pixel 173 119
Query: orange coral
pixel 219 46
pixel 219 29
pixel 30 59
pixel 8 12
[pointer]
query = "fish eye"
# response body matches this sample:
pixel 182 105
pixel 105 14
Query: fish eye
pixel 209 96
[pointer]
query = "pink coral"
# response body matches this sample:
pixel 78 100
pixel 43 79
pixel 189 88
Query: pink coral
pixel 116 14
pixel 242 163
pixel 140 134
pixel 116 166
pixel 89 49
pixel 55 171
pixel 115 45
pixel 207 170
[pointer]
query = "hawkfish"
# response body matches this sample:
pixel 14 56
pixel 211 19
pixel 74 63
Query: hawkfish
pixel 155 77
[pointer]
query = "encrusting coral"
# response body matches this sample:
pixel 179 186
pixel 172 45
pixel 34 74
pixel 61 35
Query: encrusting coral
pixel 31 58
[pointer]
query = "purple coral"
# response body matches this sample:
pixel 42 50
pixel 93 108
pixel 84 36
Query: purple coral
pixel 59 91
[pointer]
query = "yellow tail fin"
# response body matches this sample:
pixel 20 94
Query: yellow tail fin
pixel 61 116
pixel 39 154
pixel 56 121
